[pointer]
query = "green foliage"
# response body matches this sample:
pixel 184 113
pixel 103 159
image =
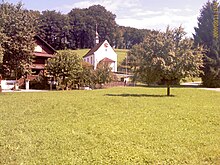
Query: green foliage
pixel 211 76
pixel 87 76
pixel 204 32
pixel 83 23
pixel 207 34
pixel 18 25
pixel 40 82
pixel 166 56
pixel 103 73
pixel 133 36
pixel 110 126
pixel 65 67
pixel 1 48
pixel 54 28
pixel 76 30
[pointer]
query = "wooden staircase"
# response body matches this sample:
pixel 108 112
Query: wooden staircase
pixel 21 81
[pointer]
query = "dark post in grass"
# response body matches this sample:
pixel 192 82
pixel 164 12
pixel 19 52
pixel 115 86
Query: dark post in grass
pixel 0 83
pixel 51 87
pixel 168 88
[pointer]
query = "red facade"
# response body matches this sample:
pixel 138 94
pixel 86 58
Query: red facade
pixel 42 52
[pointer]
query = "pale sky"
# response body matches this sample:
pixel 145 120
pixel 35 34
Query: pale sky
pixel 147 14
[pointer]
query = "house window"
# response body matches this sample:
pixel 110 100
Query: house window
pixel 87 59
pixel 91 61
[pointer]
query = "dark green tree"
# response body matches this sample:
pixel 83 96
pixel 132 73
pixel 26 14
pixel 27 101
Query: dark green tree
pixel 83 24
pixel 105 21
pixel 118 38
pixel 207 34
pixel 80 30
pixel 133 36
pixel 54 29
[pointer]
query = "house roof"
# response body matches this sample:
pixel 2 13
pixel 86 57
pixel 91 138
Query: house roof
pixel 107 60
pixel 45 43
pixel 94 49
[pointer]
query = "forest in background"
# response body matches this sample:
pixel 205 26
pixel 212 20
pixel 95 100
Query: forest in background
pixel 76 29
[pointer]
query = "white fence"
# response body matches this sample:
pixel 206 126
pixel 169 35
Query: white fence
pixel 8 84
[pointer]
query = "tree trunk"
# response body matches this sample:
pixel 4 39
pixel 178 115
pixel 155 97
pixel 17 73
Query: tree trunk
pixel 168 88
pixel 0 86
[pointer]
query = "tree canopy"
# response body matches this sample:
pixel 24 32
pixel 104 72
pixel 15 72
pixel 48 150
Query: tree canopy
pixel 18 26
pixel 166 56
pixel 207 34
pixel 76 30
pixel 53 27
pixel 65 67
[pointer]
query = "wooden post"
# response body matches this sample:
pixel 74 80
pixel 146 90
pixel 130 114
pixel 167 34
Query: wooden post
pixel 0 83
pixel 51 85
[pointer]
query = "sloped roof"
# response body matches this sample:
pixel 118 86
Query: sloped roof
pixel 94 49
pixel 45 43
pixel 107 60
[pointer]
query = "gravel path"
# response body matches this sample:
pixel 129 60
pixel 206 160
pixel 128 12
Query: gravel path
pixel 197 84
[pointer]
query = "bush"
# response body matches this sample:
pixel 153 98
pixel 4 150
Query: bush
pixel 40 82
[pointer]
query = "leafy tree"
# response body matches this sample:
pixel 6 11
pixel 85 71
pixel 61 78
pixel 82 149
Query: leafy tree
pixel 80 30
pixel 166 56
pixel 204 33
pixel 54 28
pixel 133 36
pixel 65 67
pixel 103 73
pixel 105 21
pixel 19 27
pixel 83 25
pixel 77 28
pixel 118 38
pixel 87 77
pixel 207 34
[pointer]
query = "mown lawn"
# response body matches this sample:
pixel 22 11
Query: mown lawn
pixel 110 126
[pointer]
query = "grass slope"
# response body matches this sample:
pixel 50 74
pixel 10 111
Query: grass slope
pixel 110 126
pixel 120 52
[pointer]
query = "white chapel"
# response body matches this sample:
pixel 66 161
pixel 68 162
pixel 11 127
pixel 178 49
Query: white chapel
pixel 102 52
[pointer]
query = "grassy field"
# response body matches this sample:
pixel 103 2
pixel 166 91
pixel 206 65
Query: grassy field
pixel 110 126
pixel 120 52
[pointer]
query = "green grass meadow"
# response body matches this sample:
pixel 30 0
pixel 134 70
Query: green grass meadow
pixel 126 125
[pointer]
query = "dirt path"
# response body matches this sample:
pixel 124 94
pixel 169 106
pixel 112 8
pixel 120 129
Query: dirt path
pixel 197 84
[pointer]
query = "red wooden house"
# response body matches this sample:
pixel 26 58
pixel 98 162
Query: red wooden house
pixel 42 52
